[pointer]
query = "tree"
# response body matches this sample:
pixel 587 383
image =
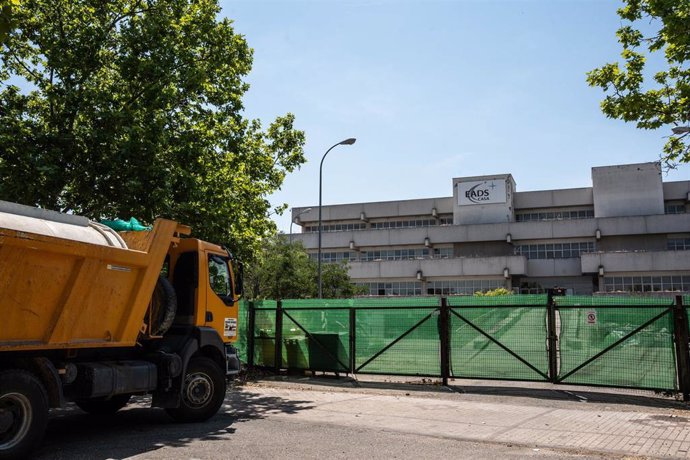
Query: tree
pixel 6 17
pixel 336 283
pixel 134 108
pixel 666 99
pixel 284 270
pixel 497 292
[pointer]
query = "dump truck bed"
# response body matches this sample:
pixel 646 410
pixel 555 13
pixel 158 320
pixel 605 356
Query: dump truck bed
pixel 58 293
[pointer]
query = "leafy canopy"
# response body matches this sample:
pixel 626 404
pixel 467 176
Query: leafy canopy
pixel 6 17
pixel 284 270
pixel 666 99
pixel 134 108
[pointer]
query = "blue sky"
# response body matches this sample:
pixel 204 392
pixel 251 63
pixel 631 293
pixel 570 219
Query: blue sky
pixel 437 89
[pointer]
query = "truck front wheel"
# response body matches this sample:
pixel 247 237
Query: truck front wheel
pixel 23 413
pixel 203 391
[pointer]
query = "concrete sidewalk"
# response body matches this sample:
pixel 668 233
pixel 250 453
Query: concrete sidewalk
pixel 640 425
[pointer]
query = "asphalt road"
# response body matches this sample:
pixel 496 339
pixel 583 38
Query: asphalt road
pixel 307 418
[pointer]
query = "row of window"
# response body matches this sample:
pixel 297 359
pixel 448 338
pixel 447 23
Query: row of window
pixel 412 223
pixel 334 257
pixel 519 217
pixel 646 283
pixel 554 251
pixel 678 244
pixel 458 287
pixel 449 287
pixel 530 251
pixel 390 254
pixel 554 215
pixel 402 288
pixel 335 227
pixel 406 254
pixel 674 209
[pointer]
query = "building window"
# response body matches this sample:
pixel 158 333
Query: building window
pixel 335 227
pixel 384 254
pixel 396 288
pixel 554 215
pixel 443 253
pixel 678 244
pixel 406 254
pixel 412 223
pixel 674 208
pixel 656 283
pixel 554 250
pixel 333 257
pixel 460 287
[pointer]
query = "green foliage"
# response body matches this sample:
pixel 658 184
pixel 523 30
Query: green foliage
pixel 284 270
pixel 336 283
pixel 666 100
pixel 136 110
pixel 6 17
pixel 493 293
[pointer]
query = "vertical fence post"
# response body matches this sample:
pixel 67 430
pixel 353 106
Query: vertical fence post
pixel 443 330
pixel 552 339
pixel 353 333
pixel 680 334
pixel 278 354
pixel 251 333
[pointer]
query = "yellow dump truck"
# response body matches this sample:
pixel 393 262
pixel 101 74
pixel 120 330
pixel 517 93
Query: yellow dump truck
pixel 94 316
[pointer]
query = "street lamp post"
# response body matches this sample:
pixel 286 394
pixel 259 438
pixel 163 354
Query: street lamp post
pixel 349 141
pixel 292 221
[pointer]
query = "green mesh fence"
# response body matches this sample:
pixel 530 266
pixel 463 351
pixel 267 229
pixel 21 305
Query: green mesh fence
pixel 392 302
pixel 243 330
pixel 489 301
pixel 264 337
pixel 581 300
pixel 499 343
pixel 502 337
pixel 404 341
pixel 635 336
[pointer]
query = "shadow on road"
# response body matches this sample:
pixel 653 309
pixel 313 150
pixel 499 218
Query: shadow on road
pixel 73 434
pixel 515 389
pixel 568 394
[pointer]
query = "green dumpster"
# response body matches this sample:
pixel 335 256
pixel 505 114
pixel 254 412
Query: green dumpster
pixel 328 353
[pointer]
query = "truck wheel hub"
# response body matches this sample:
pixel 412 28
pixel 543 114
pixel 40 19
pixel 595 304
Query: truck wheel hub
pixel 199 389
pixel 15 419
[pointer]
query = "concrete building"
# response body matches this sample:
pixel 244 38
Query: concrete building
pixel 629 231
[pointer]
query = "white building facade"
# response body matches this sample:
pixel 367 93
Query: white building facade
pixel 629 231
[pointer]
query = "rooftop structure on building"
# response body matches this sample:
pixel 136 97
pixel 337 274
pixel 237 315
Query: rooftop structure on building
pixel 628 232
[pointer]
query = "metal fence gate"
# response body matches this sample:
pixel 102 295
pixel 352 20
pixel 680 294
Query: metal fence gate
pixel 632 342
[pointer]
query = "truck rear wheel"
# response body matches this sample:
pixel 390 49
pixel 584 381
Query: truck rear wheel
pixel 103 406
pixel 203 391
pixel 163 307
pixel 23 413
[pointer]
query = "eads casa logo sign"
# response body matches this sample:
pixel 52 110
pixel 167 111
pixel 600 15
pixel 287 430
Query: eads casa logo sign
pixel 483 192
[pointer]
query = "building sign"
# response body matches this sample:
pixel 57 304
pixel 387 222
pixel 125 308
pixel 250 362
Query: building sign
pixel 483 192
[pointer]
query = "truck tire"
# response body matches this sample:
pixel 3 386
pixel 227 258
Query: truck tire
pixel 203 391
pixel 163 307
pixel 23 413
pixel 101 406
